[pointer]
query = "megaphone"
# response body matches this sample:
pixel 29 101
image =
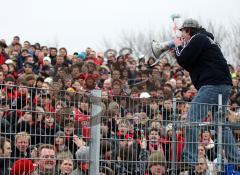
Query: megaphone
pixel 158 48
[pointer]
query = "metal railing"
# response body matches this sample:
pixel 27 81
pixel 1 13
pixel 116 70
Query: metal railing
pixel 70 132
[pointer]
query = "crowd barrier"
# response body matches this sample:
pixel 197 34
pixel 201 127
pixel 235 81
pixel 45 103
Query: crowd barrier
pixel 67 132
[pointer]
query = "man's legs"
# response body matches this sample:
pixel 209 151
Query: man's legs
pixel 201 104
pixel 230 147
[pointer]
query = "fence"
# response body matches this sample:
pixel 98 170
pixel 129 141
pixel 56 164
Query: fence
pixel 65 132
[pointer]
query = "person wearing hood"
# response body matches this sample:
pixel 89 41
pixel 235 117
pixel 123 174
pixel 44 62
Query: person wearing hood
pixel 198 53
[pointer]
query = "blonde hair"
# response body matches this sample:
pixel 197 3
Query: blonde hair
pixel 22 134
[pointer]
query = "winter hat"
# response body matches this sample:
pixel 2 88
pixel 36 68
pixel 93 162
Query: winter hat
pixel 144 95
pixel 157 158
pixel 9 61
pixel 47 59
pixel 82 55
pixel 82 154
pixel 48 80
pixel 22 166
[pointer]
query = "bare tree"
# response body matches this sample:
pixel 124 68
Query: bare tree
pixel 140 42
pixel 234 42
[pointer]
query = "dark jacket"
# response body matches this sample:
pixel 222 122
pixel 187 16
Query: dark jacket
pixel 203 59
pixel 5 166
pixel 132 167
pixel 16 154
pixel 48 134
pixel 31 129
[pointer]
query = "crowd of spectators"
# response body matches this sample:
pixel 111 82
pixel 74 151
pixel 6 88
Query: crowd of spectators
pixel 45 112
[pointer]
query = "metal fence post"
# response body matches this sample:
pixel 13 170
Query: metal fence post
pixel 219 137
pixel 174 140
pixel 95 132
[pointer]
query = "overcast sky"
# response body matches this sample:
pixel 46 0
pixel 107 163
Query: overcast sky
pixel 77 24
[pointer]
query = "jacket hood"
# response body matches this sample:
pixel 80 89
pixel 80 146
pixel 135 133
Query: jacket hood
pixel 204 31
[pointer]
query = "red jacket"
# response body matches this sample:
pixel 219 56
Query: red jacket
pixel 180 146
pixel 2 59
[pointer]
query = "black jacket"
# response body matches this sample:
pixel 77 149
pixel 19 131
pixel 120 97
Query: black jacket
pixel 5 166
pixel 204 61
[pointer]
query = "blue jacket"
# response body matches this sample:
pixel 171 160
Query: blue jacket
pixel 204 61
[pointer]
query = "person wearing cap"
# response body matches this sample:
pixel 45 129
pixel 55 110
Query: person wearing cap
pixel 198 53
pixel 12 68
pixel 46 69
pixel 75 59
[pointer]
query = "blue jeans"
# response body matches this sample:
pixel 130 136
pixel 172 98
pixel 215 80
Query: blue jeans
pixel 204 101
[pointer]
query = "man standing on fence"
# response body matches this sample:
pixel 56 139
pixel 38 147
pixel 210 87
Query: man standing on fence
pixel 201 56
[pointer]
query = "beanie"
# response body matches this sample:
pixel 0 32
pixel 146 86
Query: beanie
pixel 157 158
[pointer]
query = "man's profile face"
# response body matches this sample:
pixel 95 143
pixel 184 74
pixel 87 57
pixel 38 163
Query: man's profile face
pixel 6 151
pixel 47 160
pixel 186 37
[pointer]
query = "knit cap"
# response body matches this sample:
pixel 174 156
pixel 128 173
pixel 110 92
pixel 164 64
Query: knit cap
pixel 22 166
